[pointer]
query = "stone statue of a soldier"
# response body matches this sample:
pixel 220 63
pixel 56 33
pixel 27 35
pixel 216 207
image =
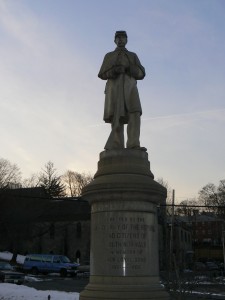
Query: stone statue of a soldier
pixel 122 68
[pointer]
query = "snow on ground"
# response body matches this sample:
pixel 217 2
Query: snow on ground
pixel 8 255
pixel 10 291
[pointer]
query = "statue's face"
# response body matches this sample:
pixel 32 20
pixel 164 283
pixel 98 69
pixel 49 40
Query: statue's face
pixel 121 40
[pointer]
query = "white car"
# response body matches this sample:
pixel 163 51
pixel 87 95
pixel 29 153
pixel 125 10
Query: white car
pixel 9 275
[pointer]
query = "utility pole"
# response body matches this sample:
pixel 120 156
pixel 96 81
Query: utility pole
pixel 223 240
pixel 171 232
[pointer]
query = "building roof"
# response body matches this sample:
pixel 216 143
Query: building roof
pixel 204 217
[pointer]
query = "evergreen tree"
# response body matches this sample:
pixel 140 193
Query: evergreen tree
pixel 51 182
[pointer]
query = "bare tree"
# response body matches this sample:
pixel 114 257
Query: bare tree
pixel 32 181
pixel 186 207
pixel 9 174
pixel 75 182
pixel 213 197
pixel 221 192
pixel 169 195
pixel 51 181
pixel 208 194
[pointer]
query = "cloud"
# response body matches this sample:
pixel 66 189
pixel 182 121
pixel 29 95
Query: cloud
pixel 185 120
pixel 214 113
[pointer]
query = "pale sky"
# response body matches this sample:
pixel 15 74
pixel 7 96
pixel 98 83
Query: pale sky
pixel 51 100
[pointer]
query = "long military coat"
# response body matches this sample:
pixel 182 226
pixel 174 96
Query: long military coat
pixel 121 93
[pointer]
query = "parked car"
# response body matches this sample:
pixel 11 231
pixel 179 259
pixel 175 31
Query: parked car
pixel 49 263
pixel 9 275
pixel 199 266
pixel 84 267
pixel 211 266
pixel 221 266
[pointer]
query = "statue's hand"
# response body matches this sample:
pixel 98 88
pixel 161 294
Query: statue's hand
pixel 119 69
pixel 136 72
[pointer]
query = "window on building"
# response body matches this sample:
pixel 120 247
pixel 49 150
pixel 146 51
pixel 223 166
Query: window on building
pixel 52 231
pixel 78 255
pixel 78 230
pixel 181 236
pixel 189 238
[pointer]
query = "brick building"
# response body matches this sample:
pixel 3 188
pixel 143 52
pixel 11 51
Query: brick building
pixel 182 250
pixel 207 230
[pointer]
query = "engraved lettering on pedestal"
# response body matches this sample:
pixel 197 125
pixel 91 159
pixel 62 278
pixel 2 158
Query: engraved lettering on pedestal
pixel 126 240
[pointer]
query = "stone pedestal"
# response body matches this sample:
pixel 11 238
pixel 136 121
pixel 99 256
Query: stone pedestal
pixel 124 228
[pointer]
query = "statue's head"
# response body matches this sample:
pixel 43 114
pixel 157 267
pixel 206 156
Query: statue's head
pixel 120 32
pixel 120 38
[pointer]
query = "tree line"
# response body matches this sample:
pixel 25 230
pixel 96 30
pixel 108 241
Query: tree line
pixel 20 220
pixel 211 198
pixel 69 184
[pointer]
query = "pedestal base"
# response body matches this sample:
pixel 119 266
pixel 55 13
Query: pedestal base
pixel 124 228
pixel 131 288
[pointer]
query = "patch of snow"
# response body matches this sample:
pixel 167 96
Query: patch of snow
pixel 19 292
pixel 30 278
pixel 8 255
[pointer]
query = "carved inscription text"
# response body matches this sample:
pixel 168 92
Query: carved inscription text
pixel 126 241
